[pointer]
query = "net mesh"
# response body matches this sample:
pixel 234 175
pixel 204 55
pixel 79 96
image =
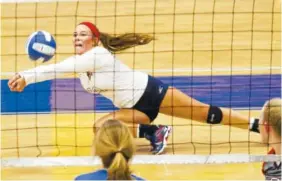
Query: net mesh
pixel 225 53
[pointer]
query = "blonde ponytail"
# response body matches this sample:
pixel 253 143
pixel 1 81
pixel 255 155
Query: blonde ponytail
pixel 114 145
pixel 119 169
pixel 124 41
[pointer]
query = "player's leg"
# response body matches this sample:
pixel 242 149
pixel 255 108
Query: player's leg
pixel 156 134
pixel 178 104
pixel 128 116
pixel 146 130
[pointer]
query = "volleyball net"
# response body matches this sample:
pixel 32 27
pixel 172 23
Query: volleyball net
pixel 225 53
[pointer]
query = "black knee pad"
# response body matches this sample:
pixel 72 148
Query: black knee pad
pixel 214 115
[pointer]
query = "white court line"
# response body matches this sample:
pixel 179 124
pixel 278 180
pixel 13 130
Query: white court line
pixel 223 69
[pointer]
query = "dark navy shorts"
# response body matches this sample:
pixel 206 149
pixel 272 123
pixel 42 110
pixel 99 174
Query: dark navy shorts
pixel 152 98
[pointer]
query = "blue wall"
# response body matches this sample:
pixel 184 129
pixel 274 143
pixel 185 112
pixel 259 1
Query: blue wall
pixel 240 91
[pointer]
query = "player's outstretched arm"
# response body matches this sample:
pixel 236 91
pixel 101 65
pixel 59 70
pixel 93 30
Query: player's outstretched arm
pixel 89 61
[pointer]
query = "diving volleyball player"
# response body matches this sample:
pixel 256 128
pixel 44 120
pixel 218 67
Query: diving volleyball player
pixel 139 96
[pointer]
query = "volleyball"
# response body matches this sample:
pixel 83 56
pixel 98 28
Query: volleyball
pixel 41 45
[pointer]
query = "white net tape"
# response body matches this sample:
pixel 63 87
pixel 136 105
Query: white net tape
pixel 139 159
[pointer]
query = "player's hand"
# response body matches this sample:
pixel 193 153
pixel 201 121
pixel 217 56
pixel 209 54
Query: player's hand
pixel 17 83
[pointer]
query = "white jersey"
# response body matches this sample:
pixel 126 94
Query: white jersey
pixel 110 77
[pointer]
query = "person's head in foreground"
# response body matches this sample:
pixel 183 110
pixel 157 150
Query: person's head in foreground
pixel 270 123
pixel 114 145
pixel 270 130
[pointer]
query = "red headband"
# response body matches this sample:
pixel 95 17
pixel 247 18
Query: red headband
pixel 93 29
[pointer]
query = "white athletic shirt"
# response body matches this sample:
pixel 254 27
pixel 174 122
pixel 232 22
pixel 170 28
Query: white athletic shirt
pixel 110 77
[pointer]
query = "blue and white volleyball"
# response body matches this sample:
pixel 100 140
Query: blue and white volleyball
pixel 41 45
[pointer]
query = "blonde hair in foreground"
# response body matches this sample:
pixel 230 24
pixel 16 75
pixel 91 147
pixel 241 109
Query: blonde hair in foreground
pixel 272 114
pixel 114 145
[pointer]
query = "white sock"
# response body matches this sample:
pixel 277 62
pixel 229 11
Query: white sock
pixel 252 121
